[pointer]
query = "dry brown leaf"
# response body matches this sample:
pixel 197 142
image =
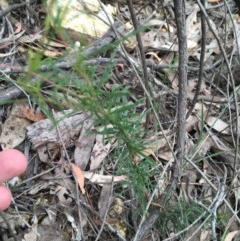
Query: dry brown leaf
pixel 206 92
pixel 79 175
pixel 73 221
pixel 29 114
pixel 104 199
pixel 158 40
pixel 99 152
pixel 224 153
pixel 150 150
pixel 42 152
pixel 146 152
pixel 81 17
pixel 49 232
pixel 84 146
pixel 218 125
pixel 32 235
pixel 205 147
pixel 18 26
pixel 61 192
pixel 166 155
pixel 192 123
pixel 204 235
pixel 173 78
pixel 231 235
pixel 120 66
pixel 4 4
pixel 14 128
pixel 193 28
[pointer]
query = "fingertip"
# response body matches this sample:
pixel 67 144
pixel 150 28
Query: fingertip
pixel 12 164
pixel 5 198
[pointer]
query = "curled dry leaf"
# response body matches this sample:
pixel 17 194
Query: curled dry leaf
pixel 79 177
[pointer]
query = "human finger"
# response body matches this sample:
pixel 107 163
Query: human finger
pixel 5 198
pixel 12 164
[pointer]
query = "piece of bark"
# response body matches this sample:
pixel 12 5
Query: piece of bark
pixel 45 131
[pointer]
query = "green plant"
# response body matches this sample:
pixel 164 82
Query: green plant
pixel 83 88
pixel 180 216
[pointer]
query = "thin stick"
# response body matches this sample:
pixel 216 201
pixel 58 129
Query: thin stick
pixel 179 7
pixel 202 57
pixel 142 54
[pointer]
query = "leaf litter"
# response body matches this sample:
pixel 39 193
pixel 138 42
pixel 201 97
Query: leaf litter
pixel 103 204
